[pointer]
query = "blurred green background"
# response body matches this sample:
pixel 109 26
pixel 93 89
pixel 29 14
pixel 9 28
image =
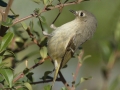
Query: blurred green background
pixel 104 47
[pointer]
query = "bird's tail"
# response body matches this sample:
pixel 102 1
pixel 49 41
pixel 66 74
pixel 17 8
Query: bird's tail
pixel 57 64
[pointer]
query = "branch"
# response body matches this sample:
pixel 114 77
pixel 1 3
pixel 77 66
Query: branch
pixel 34 66
pixel 39 63
pixel 77 69
pixel 32 37
pixel 46 9
pixel 78 66
pixel 45 81
pixel 7 10
pixel 58 79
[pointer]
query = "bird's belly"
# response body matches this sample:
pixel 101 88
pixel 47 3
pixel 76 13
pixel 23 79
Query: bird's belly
pixel 57 47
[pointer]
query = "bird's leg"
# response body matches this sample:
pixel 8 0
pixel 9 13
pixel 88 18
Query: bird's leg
pixel 46 34
pixel 72 50
pixel 53 26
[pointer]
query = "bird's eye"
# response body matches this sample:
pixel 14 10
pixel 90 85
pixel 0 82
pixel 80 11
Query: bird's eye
pixel 82 14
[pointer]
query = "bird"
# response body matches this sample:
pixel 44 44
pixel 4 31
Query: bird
pixel 67 38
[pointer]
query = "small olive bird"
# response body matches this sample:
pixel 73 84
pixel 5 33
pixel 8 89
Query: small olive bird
pixel 66 39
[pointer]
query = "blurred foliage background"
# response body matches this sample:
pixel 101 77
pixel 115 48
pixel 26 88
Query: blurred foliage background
pixel 104 47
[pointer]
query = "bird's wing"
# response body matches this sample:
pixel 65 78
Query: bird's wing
pixel 73 44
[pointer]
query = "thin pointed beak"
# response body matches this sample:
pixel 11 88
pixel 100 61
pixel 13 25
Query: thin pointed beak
pixel 72 11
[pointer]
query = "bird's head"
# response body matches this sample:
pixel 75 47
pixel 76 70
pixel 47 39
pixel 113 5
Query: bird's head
pixel 84 16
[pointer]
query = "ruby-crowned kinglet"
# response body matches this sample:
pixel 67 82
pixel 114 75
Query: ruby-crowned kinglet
pixel 66 39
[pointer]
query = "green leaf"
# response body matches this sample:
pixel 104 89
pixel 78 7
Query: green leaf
pixel 8 22
pixel 31 24
pixel 28 86
pixel 47 87
pixel 1 79
pixel 46 74
pixel 43 52
pixel 22 88
pixel 36 61
pixel 63 88
pixel 6 41
pixel 29 76
pixel 10 53
pixel 46 2
pixel 44 41
pixel 82 80
pixel 42 18
pixel 7 73
pixel 26 70
pixel 3 64
pixel 24 25
pixel 19 44
pixel 86 57
pixel 0 59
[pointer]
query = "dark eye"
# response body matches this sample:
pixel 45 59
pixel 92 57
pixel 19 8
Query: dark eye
pixel 82 14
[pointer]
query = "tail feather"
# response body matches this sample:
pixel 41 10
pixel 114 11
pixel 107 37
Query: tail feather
pixel 57 67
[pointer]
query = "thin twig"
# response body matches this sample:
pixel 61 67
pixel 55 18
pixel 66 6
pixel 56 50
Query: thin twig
pixel 34 66
pixel 7 10
pixel 33 38
pixel 19 77
pixel 23 19
pixel 39 63
pixel 77 69
pixel 56 17
pixel 45 81
pixel 44 10
pixel 40 24
pixel 79 65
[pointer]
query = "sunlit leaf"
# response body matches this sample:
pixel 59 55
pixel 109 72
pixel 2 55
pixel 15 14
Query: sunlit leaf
pixel 8 75
pixel 47 87
pixel 86 57
pixel 28 86
pixel 43 52
pixel 46 2
pixel 63 88
pixel 6 41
